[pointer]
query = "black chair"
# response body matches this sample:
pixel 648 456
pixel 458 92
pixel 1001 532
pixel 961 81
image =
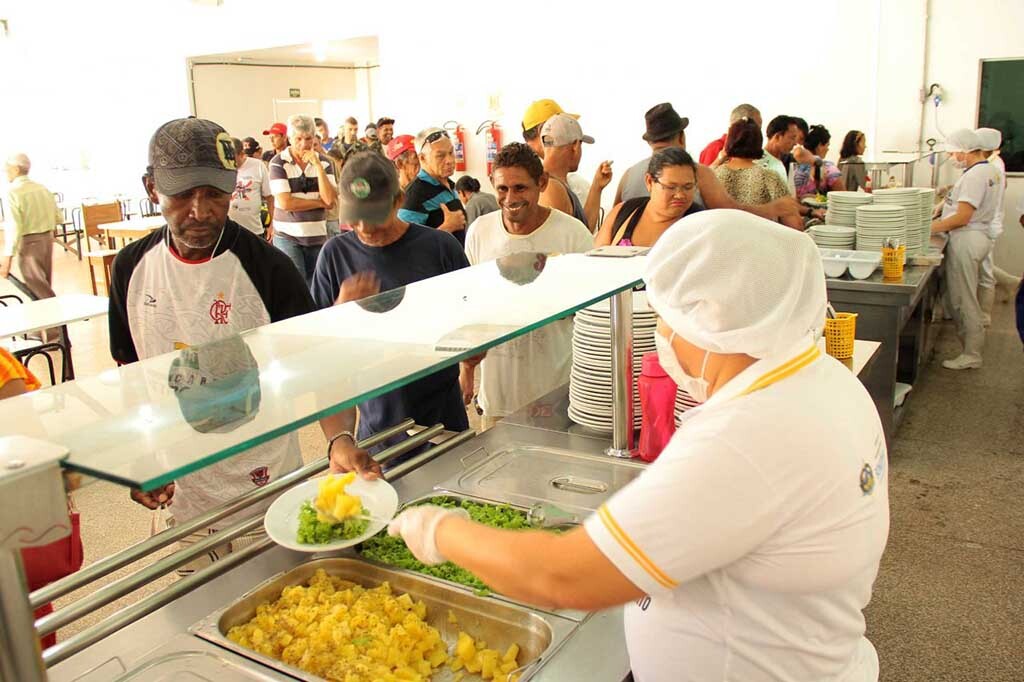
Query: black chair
pixel 25 349
pixel 62 230
pixel 147 208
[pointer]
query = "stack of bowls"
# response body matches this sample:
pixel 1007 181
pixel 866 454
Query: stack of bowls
pixel 842 207
pixel 590 381
pixel 910 199
pixel 878 222
pixel 834 236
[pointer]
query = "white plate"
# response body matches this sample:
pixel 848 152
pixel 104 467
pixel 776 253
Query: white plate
pixel 282 519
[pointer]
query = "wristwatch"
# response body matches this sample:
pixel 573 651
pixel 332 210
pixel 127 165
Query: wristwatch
pixel 340 434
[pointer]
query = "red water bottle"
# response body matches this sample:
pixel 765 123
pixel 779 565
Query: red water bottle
pixel 657 405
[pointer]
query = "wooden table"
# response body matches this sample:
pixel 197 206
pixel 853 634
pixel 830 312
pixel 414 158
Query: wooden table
pixel 131 229
pixel 47 313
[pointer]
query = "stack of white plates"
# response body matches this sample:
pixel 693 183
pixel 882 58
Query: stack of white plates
pixel 910 199
pixel 590 382
pixel 684 402
pixel 926 197
pixel 834 236
pixel 842 207
pixel 878 222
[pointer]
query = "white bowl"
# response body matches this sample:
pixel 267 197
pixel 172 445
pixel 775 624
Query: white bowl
pixel 833 268
pixel 862 270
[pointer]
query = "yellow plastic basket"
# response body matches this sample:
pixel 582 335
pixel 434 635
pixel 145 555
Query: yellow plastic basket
pixel 839 335
pixel 892 263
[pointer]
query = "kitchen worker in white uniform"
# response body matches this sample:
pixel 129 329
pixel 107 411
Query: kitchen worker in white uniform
pixel 967 216
pixel 748 550
pixel 992 276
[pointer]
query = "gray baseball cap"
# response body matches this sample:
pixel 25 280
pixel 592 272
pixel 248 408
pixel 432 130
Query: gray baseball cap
pixel 367 189
pixel 192 152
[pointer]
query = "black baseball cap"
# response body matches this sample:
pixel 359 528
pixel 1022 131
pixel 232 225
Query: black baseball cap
pixel 192 152
pixel 367 188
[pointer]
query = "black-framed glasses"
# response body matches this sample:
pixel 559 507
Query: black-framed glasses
pixel 688 188
pixel 433 137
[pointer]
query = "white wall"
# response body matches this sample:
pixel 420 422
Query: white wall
pixel 241 98
pixel 84 87
pixel 962 34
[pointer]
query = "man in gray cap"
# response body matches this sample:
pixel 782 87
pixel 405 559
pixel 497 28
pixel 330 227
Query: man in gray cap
pixel 384 253
pixel 666 128
pixel 563 140
pixel 201 279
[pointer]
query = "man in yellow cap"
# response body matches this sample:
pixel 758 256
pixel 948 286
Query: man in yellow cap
pixel 534 119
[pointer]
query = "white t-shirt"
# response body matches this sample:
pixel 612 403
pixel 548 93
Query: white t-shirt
pixel 773 164
pixel 251 185
pixel 977 186
pixel 528 367
pixel 996 228
pixel 758 532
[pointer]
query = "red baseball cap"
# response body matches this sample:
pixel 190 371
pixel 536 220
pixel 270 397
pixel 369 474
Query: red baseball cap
pixel 399 145
pixel 277 129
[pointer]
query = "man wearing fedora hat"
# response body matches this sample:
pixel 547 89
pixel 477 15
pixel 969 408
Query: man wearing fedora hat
pixel 666 128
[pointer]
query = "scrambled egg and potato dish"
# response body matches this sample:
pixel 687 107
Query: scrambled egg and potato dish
pixel 332 502
pixel 333 515
pixel 347 633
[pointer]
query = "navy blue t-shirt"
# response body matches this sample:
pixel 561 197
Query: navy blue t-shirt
pixel 419 254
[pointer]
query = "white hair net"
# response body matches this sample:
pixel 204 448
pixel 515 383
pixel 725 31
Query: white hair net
pixel 730 282
pixel 990 138
pixel 963 140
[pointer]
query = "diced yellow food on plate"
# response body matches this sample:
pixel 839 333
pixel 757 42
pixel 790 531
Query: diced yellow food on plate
pixel 332 502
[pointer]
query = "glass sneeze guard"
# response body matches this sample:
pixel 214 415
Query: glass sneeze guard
pixel 147 423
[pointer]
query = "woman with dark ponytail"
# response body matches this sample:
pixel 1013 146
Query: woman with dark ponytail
pixel 477 203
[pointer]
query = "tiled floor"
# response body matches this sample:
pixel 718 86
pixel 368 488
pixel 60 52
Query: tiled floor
pixel 949 600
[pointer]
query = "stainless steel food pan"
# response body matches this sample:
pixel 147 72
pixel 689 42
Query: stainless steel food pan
pixel 499 623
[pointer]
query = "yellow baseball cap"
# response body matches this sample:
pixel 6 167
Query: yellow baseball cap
pixel 540 111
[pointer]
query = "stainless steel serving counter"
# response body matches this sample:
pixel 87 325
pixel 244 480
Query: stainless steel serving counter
pixel 596 651
pixel 897 314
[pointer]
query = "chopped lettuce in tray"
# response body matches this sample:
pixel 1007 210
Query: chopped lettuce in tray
pixel 392 550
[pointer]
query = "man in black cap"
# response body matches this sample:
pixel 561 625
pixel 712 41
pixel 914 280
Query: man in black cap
pixel 201 279
pixel 382 253
pixel 666 128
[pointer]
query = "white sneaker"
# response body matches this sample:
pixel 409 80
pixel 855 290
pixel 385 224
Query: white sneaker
pixel 962 362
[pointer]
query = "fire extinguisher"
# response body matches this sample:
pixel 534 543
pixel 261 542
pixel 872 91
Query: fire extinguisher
pixel 492 140
pixel 458 135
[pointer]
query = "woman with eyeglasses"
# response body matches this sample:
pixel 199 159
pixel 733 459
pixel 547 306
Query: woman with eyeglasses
pixel 746 180
pixel 671 179
pixel 851 160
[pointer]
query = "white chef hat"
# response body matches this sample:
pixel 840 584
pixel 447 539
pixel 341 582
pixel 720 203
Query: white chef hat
pixel 963 140
pixel 730 282
pixel 990 138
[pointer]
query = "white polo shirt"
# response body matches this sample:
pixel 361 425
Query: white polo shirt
pixel 758 531
pixel 978 186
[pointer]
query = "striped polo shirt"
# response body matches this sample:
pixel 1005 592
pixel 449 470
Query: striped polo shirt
pixel 423 199
pixel 306 227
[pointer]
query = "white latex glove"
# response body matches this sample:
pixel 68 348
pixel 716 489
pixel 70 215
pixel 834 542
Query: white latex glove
pixel 417 526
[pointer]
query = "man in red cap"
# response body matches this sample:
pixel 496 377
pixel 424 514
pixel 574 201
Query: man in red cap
pixel 401 151
pixel 278 137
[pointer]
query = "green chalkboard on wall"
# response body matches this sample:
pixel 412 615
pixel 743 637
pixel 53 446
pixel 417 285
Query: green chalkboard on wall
pixel 1001 106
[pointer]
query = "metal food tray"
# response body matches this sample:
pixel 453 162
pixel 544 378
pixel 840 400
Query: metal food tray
pixel 530 474
pixel 499 623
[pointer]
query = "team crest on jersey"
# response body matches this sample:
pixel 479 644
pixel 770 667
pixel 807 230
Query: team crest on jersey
pixel 867 479
pixel 260 476
pixel 219 310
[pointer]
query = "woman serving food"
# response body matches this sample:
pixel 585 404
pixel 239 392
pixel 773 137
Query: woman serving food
pixel 749 549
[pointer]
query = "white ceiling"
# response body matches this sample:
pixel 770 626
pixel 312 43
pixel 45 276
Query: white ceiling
pixel 355 51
